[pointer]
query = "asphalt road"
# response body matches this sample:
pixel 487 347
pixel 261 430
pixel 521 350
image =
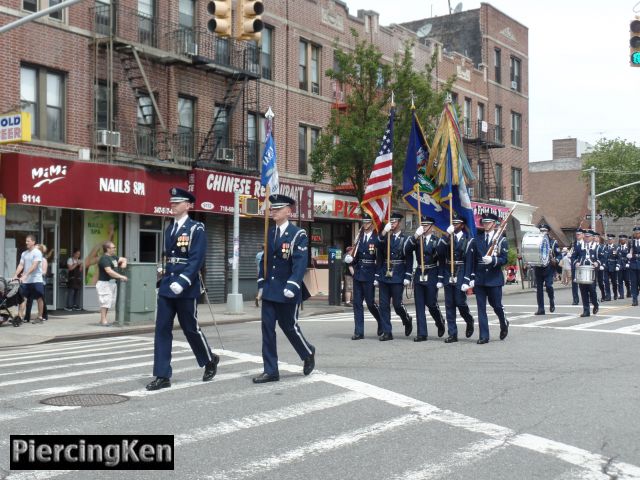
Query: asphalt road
pixel 558 399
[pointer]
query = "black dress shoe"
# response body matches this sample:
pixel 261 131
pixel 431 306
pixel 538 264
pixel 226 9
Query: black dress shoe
pixel 408 326
pixel 469 331
pixel 379 332
pixel 158 383
pixel 441 329
pixel 615 297
pixel 540 312
pixel 552 307
pixel 211 368
pixel 385 336
pixel 309 364
pixel 503 333
pixel 596 309
pixel 575 303
pixel 585 314
pixel 451 339
pixel 634 304
pixel 420 338
pixel 266 377
pixel 357 337
pixel 482 341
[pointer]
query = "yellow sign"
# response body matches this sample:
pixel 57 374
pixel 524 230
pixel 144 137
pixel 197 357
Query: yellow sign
pixel 15 127
pixel 3 207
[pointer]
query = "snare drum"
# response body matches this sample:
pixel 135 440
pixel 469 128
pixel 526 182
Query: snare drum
pixel 535 249
pixel 585 274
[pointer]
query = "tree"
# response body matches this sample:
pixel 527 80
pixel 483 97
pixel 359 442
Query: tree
pixel 347 147
pixel 618 163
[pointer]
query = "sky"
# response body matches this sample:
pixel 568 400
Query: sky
pixel 580 81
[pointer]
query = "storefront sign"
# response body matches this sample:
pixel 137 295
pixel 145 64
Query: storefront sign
pixel 214 192
pixel 316 235
pixel 89 186
pixel 481 208
pixel 15 127
pixel 329 205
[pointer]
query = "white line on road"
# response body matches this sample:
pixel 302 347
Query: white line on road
pixel 84 347
pixel 597 323
pixel 548 321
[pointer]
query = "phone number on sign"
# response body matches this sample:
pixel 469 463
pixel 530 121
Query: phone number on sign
pixel 28 198
pixel 162 210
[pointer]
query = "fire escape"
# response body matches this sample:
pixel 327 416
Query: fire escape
pixel 139 49
pixel 479 140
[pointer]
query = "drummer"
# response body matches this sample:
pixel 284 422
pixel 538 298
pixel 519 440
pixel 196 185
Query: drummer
pixel 588 256
pixel 545 273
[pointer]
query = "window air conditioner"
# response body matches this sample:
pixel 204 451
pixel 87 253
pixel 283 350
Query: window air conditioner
pixel 514 85
pixel 518 198
pixel 225 155
pixel 190 47
pixel 107 138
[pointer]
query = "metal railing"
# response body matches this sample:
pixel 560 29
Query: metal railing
pixel 483 131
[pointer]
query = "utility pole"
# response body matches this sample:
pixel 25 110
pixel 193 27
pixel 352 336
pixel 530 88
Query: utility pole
pixel 234 299
pixel 593 197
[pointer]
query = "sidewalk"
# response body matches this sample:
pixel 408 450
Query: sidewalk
pixel 64 325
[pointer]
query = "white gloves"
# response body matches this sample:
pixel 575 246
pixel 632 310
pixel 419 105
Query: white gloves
pixel 439 285
pixel 487 259
pixel 450 229
pixel 617 268
pixel 601 267
pixel 288 293
pixel 629 255
pixel 472 283
pixel 375 283
pixel 348 258
pixel 176 288
pixel 464 287
pixel 387 228
pixel 419 231
pixel 406 282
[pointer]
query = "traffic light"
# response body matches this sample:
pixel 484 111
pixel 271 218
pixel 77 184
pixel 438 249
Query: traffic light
pixel 634 43
pixel 249 22
pixel 221 21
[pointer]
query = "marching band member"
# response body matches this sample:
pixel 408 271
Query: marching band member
pixel 589 255
pixel 577 246
pixel 611 267
pixel 634 265
pixel 623 273
pixel 545 274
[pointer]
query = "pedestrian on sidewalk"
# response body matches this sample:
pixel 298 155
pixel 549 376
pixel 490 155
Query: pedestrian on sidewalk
pixel 565 263
pixel 29 272
pixel 108 273
pixel 185 246
pixel 74 280
pixel 45 269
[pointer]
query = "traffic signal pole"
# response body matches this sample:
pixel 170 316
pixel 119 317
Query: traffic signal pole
pixel 38 14
pixel 593 197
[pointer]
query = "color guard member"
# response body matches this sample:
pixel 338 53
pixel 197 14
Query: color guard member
pixel 634 265
pixel 611 267
pixel 623 273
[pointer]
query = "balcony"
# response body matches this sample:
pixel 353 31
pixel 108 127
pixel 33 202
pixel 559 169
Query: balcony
pixel 482 133
pixel 225 155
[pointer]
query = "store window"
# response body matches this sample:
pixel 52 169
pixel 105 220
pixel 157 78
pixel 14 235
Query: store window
pixel 150 239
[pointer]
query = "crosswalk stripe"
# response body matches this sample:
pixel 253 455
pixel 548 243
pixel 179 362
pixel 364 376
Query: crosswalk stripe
pixel 113 343
pixel 597 323
pixel 548 321
pixel 628 329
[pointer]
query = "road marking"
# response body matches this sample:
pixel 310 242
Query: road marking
pixel 551 320
pixel 85 347
pixel 597 323
pixel 629 329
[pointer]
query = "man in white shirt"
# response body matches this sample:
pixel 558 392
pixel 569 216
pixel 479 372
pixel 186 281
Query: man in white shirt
pixel 29 272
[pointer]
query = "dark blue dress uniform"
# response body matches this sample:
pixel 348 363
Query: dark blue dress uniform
pixel 463 274
pixel 611 268
pixel 184 251
pixel 489 279
pixel 392 286
pixel 544 274
pixel 577 246
pixel 425 289
pixel 365 263
pixel 589 255
pixel 623 274
pixel 600 269
pixel 286 265
pixel 634 265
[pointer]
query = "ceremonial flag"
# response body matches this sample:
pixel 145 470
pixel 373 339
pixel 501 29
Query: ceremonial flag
pixel 415 183
pixel 269 174
pixel 377 193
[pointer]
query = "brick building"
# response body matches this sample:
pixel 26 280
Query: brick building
pixel 138 95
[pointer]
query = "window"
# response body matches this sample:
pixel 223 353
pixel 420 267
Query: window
pixel 466 115
pixel 516 184
pixel 454 98
pixel 516 129
pixel 145 131
pixel 42 95
pixel 186 34
pixel 309 72
pixel 307 138
pixel 223 54
pixel 498 120
pixel 480 112
pixel 481 181
pixel 515 74
pixel 102 106
pixel 103 15
pixel 497 65
pixel 256 132
pixel 498 171
pixel 146 22
pixel 267 47
pixel 221 127
pixel 36 5
pixel 186 109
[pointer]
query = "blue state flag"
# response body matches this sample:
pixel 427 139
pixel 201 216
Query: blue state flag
pixel 269 173
pixel 456 190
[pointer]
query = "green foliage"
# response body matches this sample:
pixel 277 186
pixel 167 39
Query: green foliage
pixel 512 256
pixel 614 159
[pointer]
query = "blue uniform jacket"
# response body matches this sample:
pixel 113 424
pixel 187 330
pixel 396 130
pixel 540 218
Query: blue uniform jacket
pixel 577 252
pixel 430 257
pixel 462 256
pixel 286 265
pixel 401 262
pixel 591 253
pixel 185 254
pixel 634 263
pixel 366 259
pixel 611 257
pixel 623 261
pixel 489 275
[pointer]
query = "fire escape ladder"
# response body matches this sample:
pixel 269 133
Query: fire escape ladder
pixel 489 180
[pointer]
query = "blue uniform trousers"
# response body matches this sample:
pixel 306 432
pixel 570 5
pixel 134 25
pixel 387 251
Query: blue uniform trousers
pixel 364 291
pixel 574 286
pixel 454 297
pixel 634 276
pixel 610 283
pixel 389 291
pixel 426 295
pixel 186 309
pixel 494 296
pixel 544 275
pixel 588 294
pixel 286 315
pixel 623 281
pixel 600 280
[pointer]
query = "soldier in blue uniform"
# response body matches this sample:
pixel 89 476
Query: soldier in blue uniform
pixel 577 246
pixel 545 274
pixel 425 282
pixel 611 267
pixel 488 276
pixel 364 260
pixel 589 255
pixel 282 289
pixel 179 288
pixel 455 287
pixel 392 282
pixel 623 273
pixel 634 265
pixel 600 269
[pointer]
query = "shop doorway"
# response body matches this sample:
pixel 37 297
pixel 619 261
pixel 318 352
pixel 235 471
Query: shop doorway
pixel 50 239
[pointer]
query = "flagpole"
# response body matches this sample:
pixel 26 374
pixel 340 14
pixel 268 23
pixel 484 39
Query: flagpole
pixel 267 205
pixel 451 237
pixel 389 272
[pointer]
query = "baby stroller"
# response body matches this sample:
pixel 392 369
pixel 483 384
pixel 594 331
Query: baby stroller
pixel 511 275
pixel 10 300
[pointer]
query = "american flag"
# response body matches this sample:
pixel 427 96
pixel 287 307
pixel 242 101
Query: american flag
pixel 378 189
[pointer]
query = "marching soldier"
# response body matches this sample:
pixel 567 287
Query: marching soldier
pixel 577 246
pixel 600 269
pixel 623 273
pixel 589 255
pixel 634 265
pixel 184 249
pixel 425 289
pixel 364 260
pixel 282 290
pixel 488 276
pixel 611 267
pixel 455 287
pixel 391 282
pixel 545 274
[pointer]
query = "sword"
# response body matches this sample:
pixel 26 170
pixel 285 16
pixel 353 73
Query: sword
pixel 206 296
